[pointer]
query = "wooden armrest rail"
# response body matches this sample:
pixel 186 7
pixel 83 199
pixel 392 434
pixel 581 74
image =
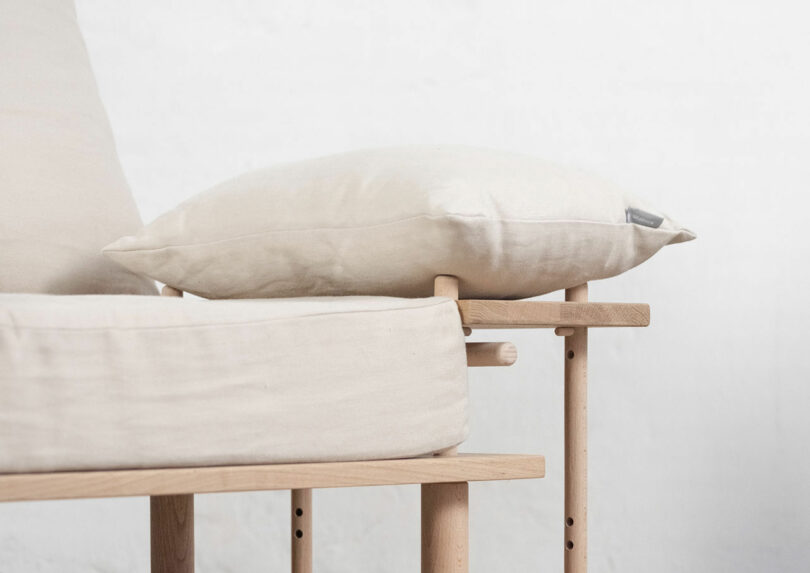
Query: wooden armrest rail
pixel 175 481
pixel 550 314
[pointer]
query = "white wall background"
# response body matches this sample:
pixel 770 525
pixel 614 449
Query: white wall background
pixel 699 455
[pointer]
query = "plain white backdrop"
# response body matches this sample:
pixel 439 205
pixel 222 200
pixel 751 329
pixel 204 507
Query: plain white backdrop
pixel 699 454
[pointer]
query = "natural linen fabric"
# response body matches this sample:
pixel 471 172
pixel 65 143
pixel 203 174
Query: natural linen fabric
pixel 63 195
pixel 94 382
pixel 387 221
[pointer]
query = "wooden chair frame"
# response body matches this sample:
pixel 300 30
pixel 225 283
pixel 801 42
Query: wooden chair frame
pixel 444 477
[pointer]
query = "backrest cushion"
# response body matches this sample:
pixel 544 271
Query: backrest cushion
pixel 63 195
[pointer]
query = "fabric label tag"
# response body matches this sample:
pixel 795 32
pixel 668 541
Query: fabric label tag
pixel 640 217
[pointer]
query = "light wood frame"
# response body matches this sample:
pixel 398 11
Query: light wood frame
pixel 444 476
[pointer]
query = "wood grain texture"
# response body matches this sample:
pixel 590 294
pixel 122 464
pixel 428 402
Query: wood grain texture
pixel 171 520
pixel 172 481
pixel 575 524
pixel 445 528
pixel 445 506
pixel 491 354
pixel 550 314
pixel 445 285
pixel 301 530
pixel 172 533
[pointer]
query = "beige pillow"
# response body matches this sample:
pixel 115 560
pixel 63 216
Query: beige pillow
pixel 63 195
pixel 386 221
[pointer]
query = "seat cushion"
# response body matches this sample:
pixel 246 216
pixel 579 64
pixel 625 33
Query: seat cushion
pixel 63 195
pixel 96 382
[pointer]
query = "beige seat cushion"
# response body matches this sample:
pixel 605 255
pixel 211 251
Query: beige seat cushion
pixel 91 382
pixel 62 192
pixel 386 221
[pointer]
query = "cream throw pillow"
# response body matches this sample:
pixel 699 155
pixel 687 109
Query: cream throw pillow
pixel 386 221
pixel 63 195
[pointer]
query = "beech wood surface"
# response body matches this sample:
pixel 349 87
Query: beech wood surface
pixel 550 314
pixel 214 479
pixel 575 524
pixel 491 354
pixel 301 530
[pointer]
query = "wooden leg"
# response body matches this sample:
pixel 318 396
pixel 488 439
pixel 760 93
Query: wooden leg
pixel 172 521
pixel 445 519
pixel 172 536
pixel 445 525
pixel 301 530
pixel 576 442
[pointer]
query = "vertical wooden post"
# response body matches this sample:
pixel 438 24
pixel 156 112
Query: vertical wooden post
pixel 445 525
pixel 576 442
pixel 172 533
pixel 445 506
pixel 445 285
pixel 171 522
pixel 301 530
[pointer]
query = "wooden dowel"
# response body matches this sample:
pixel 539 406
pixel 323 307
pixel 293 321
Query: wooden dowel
pixel 576 443
pixel 301 530
pixel 172 533
pixel 170 291
pixel 445 285
pixel 491 354
pixel 563 331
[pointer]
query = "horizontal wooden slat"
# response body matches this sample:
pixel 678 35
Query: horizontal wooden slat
pixel 550 314
pixel 173 481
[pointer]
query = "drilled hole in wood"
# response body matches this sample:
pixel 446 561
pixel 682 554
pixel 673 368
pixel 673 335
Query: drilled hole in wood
pixel 299 512
pixel 569 522
pixel 299 534
pixel 570 354
pixel 569 545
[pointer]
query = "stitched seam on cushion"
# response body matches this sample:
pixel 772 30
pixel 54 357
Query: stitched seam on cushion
pixel 443 300
pixel 405 219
